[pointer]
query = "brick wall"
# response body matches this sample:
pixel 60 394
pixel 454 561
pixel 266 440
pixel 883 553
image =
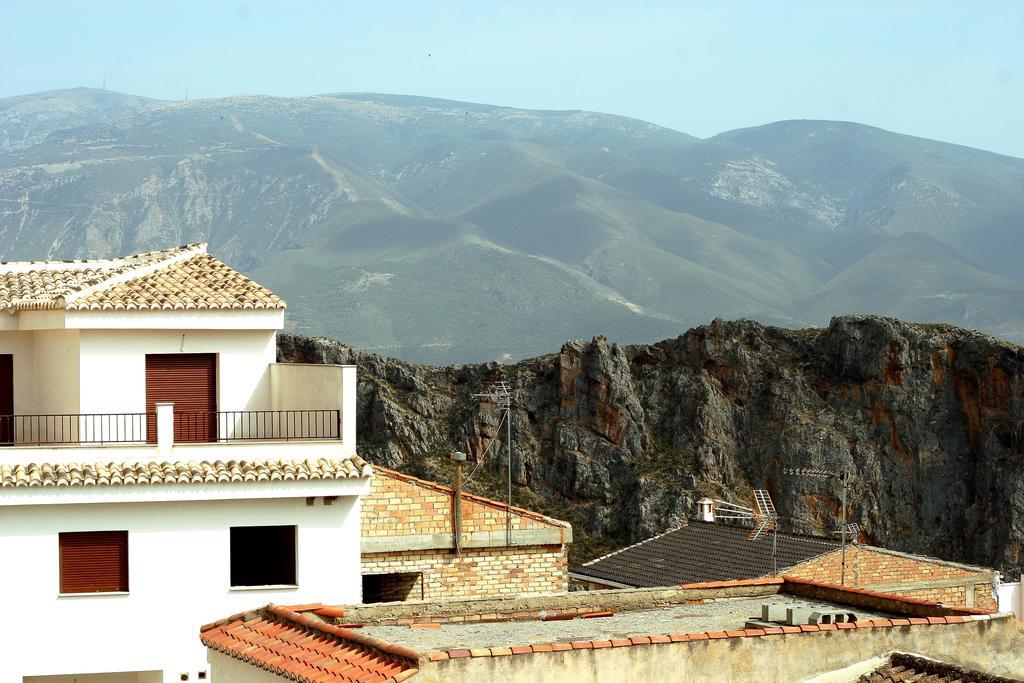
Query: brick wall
pixel 403 507
pixel 866 567
pixel 398 504
pixel 479 572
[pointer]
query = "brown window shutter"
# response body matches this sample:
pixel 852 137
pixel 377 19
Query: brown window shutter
pixel 189 381
pixel 94 562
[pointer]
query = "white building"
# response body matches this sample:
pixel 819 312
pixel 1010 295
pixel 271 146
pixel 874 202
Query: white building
pixel 158 467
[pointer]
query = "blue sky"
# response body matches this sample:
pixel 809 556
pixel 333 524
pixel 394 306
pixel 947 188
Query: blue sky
pixel 945 70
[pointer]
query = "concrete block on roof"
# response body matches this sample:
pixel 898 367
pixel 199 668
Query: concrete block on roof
pixel 775 612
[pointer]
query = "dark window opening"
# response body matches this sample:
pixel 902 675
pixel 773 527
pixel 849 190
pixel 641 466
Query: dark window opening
pixel 263 556
pixel 6 399
pixel 392 587
pixel 93 562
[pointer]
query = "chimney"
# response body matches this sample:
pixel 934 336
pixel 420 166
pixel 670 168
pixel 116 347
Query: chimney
pixel 706 510
pixel 458 458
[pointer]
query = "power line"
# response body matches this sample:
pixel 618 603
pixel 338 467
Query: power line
pixel 501 394
pixel 844 477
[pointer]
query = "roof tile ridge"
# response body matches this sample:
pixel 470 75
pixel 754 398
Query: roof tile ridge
pixel 149 263
pixel 201 246
pixel 387 648
pixel 735 583
pixel 426 483
pixel 824 540
pixel 638 543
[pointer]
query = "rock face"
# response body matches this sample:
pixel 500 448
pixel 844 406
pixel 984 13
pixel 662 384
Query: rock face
pixel 624 439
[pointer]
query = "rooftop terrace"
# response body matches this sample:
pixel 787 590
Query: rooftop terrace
pixel 721 615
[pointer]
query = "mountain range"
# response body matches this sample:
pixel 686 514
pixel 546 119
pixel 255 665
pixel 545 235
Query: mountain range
pixel 441 231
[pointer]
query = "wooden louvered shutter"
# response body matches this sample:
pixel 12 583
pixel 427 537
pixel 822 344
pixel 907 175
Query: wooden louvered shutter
pixel 94 562
pixel 6 399
pixel 189 380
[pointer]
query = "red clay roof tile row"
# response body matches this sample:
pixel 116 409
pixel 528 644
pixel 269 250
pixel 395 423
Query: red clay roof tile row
pixel 303 648
pixel 660 639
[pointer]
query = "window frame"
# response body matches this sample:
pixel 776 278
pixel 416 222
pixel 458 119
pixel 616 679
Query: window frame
pixel 263 586
pixel 126 558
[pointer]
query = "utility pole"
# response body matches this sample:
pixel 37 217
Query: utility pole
pixel 501 394
pixel 458 458
pixel 846 528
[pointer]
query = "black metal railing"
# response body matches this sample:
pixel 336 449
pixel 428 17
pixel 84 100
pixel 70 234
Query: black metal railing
pixel 49 430
pixel 189 427
pixel 256 425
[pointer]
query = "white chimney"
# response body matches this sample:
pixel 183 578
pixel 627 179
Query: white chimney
pixel 706 510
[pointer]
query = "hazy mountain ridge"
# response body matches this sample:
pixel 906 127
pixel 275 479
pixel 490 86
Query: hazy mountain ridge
pixel 440 230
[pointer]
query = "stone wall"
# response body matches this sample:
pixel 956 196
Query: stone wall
pixel 992 646
pixel 877 569
pixel 407 528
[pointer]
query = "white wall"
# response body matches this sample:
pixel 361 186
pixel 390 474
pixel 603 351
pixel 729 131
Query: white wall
pixel 113 366
pixel 231 670
pixel 1010 596
pixel 56 372
pixel 299 386
pixel 119 677
pixel 178 576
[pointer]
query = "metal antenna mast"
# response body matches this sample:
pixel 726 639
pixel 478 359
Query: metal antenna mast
pixel 846 528
pixel 765 519
pixel 501 394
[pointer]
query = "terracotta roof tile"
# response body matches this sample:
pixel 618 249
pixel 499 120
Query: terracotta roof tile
pixel 904 668
pixel 182 278
pixel 43 475
pixel 302 648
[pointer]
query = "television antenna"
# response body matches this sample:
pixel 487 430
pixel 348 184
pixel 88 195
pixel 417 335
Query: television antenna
pixel 501 393
pixel 763 515
pixel 846 528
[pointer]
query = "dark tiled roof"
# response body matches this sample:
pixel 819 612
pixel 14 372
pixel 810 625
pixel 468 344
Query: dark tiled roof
pixel 702 551
pixel 302 648
pixel 902 668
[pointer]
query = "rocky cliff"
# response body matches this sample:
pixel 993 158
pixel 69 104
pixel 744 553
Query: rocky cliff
pixel 622 440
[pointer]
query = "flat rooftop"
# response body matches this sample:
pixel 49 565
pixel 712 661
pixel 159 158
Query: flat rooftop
pixel 721 615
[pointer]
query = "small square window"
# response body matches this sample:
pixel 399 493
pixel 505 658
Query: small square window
pixel 93 562
pixel 392 587
pixel 263 556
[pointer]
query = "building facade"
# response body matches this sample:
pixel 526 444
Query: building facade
pixel 157 464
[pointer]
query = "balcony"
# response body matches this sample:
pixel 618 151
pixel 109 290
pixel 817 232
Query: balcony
pixel 296 411
pixel 169 428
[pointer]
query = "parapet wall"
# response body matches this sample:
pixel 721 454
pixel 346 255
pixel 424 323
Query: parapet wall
pixel 533 607
pixel 988 644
